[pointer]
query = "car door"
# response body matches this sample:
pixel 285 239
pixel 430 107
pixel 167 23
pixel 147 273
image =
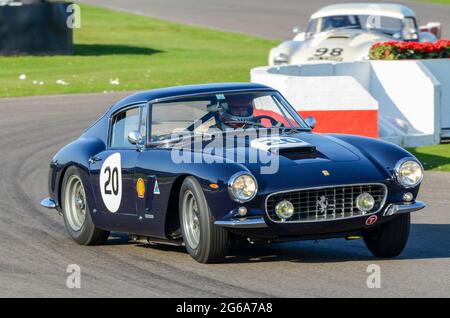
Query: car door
pixel 113 170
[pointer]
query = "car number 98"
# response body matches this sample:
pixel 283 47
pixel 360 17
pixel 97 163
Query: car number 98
pixel 333 52
pixel 246 307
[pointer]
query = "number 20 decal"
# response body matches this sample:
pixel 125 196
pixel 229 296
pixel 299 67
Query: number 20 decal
pixel 111 182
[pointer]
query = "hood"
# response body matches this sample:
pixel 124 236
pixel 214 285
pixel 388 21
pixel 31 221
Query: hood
pixel 290 160
pixel 337 46
pixel 288 148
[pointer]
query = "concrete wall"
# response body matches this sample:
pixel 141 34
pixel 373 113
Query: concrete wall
pixel 413 96
pixel 340 104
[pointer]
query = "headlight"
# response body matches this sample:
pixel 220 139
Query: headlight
pixel 242 187
pixel 284 209
pixel 409 172
pixel 365 202
pixel 280 59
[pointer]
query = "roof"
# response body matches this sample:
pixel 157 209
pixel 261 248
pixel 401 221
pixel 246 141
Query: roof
pixel 381 9
pixel 175 91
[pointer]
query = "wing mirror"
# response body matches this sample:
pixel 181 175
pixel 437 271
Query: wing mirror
pixel 296 30
pixel 135 138
pixel 311 121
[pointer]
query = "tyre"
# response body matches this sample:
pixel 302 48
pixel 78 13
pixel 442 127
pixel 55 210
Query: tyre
pixel 76 213
pixel 389 239
pixel 204 241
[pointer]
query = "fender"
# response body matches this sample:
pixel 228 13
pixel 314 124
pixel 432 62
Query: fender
pixel 75 154
pixel 288 48
pixel 384 155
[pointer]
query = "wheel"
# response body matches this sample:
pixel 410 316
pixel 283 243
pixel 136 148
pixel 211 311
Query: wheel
pixel 388 240
pixel 76 213
pixel 204 241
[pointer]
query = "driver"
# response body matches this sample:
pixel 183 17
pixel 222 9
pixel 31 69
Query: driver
pixel 340 21
pixel 236 112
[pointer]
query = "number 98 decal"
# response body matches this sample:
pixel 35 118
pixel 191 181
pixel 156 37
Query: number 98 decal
pixel 111 182
pixel 333 52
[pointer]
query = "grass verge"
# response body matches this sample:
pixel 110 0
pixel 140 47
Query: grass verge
pixel 435 157
pixel 437 1
pixel 140 52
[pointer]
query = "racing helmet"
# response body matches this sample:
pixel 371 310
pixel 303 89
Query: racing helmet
pixel 237 108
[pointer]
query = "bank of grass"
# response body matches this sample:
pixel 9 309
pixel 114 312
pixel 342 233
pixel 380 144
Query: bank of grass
pixel 437 1
pixel 435 157
pixel 141 52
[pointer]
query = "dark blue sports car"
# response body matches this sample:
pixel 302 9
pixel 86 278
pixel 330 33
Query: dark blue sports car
pixel 210 165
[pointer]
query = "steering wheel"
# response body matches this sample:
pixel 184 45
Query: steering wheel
pixel 273 122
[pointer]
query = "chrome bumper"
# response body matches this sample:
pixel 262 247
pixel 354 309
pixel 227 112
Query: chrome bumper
pixel 258 222
pixel 48 203
pixel 243 223
pixel 394 209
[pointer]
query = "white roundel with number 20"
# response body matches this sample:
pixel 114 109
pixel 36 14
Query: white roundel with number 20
pixel 111 182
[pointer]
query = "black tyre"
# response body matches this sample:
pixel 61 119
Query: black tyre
pixel 205 242
pixel 388 240
pixel 76 213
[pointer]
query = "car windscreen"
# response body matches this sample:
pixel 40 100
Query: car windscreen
pixel 222 111
pixel 364 22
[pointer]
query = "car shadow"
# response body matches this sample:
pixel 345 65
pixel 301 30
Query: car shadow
pixel 117 238
pixel 427 241
pixel 111 49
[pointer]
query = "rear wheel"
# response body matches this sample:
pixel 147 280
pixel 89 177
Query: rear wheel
pixel 388 240
pixel 76 213
pixel 205 242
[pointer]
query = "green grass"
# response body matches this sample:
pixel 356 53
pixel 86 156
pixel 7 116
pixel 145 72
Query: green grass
pixel 141 52
pixel 435 157
pixel 437 1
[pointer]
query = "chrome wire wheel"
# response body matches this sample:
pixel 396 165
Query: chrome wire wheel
pixel 191 223
pixel 75 203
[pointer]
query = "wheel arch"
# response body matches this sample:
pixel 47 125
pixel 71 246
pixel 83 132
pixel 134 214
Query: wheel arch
pixel 172 222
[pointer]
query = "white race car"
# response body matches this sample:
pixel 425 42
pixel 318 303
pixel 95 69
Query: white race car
pixel 345 33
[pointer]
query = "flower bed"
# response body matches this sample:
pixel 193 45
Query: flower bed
pixel 394 50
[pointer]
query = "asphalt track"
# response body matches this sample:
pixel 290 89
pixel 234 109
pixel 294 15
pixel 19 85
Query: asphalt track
pixel 266 18
pixel 35 250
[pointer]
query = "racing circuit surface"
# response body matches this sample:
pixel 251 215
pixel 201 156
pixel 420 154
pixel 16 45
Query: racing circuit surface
pixel 267 18
pixel 35 250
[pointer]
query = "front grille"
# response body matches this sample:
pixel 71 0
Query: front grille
pixel 324 204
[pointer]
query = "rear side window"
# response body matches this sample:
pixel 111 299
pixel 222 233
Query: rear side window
pixel 122 125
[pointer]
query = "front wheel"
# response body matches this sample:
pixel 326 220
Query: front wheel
pixel 205 241
pixel 77 217
pixel 388 240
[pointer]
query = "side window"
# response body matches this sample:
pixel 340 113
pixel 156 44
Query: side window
pixel 122 125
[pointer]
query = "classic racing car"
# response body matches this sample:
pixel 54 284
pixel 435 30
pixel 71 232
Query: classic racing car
pixel 345 32
pixel 207 165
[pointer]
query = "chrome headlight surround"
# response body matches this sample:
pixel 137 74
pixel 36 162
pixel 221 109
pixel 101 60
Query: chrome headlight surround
pixel 243 179
pixel 401 175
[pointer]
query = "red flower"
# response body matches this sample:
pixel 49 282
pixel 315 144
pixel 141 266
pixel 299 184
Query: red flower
pixel 391 49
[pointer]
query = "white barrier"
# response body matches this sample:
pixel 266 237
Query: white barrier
pixel 413 96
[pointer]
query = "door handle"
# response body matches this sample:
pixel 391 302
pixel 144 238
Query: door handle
pixel 94 159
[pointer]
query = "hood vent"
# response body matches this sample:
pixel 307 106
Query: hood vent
pixel 297 150
pixel 301 153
